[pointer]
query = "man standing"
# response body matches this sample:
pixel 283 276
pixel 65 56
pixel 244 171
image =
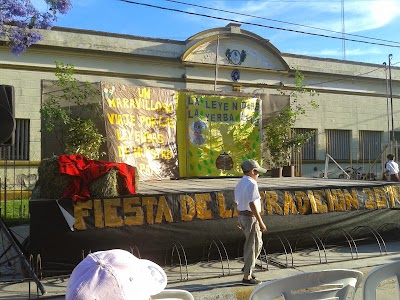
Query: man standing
pixel 392 168
pixel 248 202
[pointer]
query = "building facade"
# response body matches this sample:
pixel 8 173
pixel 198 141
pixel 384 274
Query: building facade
pixel 353 123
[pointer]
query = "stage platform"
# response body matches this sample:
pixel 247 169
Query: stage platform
pixel 188 216
pixel 204 185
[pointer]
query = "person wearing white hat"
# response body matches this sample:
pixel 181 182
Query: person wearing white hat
pixel 115 275
pixel 248 203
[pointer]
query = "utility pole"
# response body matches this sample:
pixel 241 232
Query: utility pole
pixel 343 33
pixel 216 65
pixel 391 95
pixel 387 102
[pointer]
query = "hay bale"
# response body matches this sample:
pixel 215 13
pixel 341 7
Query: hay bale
pixel 52 183
pixel 105 186
pixel 110 184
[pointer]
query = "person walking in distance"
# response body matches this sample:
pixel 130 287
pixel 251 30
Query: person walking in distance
pixel 248 203
pixel 392 169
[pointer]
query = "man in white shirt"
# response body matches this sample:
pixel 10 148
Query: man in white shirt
pixel 248 203
pixel 392 168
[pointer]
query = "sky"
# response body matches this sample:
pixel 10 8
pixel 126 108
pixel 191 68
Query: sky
pixel 297 25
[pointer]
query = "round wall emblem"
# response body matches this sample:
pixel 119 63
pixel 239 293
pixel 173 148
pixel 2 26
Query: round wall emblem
pixel 235 57
pixel 235 75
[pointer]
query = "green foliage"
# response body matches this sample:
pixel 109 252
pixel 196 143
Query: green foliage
pixel 14 212
pixel 83 138
pixel 279 136
pixel 74 129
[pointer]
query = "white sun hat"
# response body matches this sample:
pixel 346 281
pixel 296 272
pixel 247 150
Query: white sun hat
pixel 115 274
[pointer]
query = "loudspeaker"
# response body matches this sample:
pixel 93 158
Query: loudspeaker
pixel 7 119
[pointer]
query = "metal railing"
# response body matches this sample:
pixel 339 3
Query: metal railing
pixel 15 191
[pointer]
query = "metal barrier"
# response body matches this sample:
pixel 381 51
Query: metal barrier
pixel 16 185
pixel 317 241
pixel 178 250
pixel 221 258
pixel 324 245
pixel 287 253
pixel 287 248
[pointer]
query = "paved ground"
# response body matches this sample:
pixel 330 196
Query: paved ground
pixel 216 279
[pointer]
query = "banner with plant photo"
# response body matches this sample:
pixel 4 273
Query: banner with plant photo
pixel 223 131
pixel 141 128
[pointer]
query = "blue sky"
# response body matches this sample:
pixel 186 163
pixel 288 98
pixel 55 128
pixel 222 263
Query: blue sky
pixel 379 20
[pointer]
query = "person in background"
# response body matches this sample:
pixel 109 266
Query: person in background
pixel 248 203
pixel 115 274
pixel 392 169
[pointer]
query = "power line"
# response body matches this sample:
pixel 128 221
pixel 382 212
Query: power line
pixel 345 78
pixel 254 24
pixel 343 32
pixel 248 23
pixel 303 1
pixel 278 21
pixel 357 75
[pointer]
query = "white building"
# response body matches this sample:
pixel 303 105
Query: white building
pixel 351 122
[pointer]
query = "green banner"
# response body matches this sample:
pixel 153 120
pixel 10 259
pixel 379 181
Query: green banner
pixel 221 133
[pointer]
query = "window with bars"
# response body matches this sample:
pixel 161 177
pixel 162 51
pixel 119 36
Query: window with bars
pixel 370 144
pixel 308 149
pixel 338 143
pixel 20 149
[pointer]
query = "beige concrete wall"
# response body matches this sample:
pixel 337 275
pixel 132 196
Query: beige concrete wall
pixel 351 95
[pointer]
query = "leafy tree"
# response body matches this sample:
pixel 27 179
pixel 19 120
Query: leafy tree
pixel 20 21
pixel 278 128
pixel 74 129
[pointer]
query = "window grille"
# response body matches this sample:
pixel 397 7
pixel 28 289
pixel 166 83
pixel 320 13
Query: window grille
pixel 370 143
pixel 20 149
pixel 308 149
pixel 338 143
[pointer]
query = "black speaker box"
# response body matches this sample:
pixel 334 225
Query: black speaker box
pixel 7 115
